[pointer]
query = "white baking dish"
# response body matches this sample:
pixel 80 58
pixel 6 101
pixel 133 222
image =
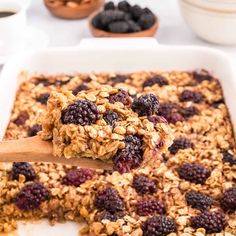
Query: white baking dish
pixel 110 55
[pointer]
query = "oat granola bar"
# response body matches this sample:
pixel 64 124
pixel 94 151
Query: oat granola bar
pixel 190 191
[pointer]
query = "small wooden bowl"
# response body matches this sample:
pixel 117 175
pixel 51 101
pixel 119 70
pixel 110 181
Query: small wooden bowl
pixel 72 12
pixel 101 33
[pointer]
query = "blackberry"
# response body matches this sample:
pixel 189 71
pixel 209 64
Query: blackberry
pixel 146 20
pixel 121 96
pixel 171 111
pixel 77 177
pixel 157 79
pixel 150 207
pixel 60 83
pixel 158 226
pixel 180 143
pixel 228 158
pixel 111 118
pixel 79 88
pixel 189 112
pixel 198 200
pixel 31 196
pixel 228 200
pixel 133 26
pixel 106 215
pixel 157 119
pixel 82 112
pixel 124 6
pixel 136 12
pixel 109 6
pixel 118 27
pixel 22 168
pixel 166 108
pixel 43 98
pixel 212 222
pixel 144 185
pixel 146 105
pixel 21 119
pixel 106 17
pixel 131 156
pixel 194 173
pixel 117 79
pixel 189 95
pixel 96 22
pixel 175 117
pixel 33 131
pixel 43 81
pixel 109 199
pixel 201 76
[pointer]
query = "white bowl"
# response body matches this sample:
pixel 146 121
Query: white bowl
pixel 226 6
pixel 211 25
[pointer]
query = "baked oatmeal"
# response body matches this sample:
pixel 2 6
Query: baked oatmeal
pixel 101 123
pixel 190 191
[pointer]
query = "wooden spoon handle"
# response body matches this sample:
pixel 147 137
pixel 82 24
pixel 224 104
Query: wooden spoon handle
pixel 36 150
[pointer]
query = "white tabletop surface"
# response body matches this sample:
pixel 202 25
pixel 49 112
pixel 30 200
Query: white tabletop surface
pixel 173 29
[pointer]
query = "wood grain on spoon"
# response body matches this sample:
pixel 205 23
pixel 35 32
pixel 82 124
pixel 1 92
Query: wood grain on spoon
pixel 36 150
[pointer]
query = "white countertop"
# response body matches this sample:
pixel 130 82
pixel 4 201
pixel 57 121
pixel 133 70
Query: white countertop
pixel 173 29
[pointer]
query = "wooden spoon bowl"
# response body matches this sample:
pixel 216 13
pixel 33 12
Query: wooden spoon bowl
pixel 73 10
pixel 101 33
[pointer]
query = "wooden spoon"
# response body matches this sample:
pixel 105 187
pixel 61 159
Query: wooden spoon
pixel 36 150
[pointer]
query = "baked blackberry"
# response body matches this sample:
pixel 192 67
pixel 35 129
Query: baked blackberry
pixel 198 200
pixel 110 200
pixel 130 157
pixel 21 119
pixel 33 131
pixel 111 118
pixel 157 79
pixel 121 96
pixel 22 168
pixel 43 98
pixel 77 177
pixel 109 6
pixel 211 221
pixel 228 200
pixel 190 111
pixel 157 119
pixel 202 75
pixel 144 185
pixel 228 158
pixel 117 79
pixel 124 6
pixel 150 207
pixel 31 196
pixel 189 95
pixel 180 143
pixel 158 226
pixel 118 27
pixel 171 111
pixel 79 88
pixel 82 112
pixel 146 105
pixel 146 20
pixel 194 173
